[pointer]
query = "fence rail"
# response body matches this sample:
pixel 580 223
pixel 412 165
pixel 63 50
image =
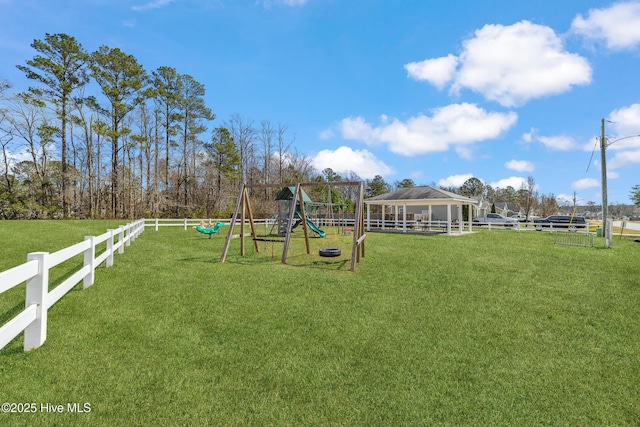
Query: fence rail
pixel 180 222
pixel 35 272
pixel 186 223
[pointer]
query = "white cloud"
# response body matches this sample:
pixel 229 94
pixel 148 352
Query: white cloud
pixel 558 143
pixel 453 125
pixel 520 165
pixel 20 156
pixel 345 159
pixel 508 64
pixel 554 143
pixel 622 159
pixel 585 183
pixel 269 3
pixel 626 124
pixel 437 71
pixel 618 26
pixel 529 136
pixel 464 152
pixel 326 134
pixel 623 130
pixel 513 181
pixel 455 180
pixel 514 64
pixel 155 4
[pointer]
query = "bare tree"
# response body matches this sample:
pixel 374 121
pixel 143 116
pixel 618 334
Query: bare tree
pixel 283 149
pixel 244 135
pixel 528 196
pixel 31 126
pixel 5 136
pixel 548 205
pixel 296 167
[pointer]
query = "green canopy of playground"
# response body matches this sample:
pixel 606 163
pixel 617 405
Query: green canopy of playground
pixel 287 194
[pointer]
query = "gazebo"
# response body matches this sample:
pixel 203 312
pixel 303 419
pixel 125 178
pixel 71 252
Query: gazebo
pixel 434 207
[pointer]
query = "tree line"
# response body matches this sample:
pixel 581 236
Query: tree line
pixel 97 136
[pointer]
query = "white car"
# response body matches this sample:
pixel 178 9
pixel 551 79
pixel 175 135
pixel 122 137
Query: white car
pixel 494 218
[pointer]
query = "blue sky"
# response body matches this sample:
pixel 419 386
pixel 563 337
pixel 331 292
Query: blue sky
pixel 433 91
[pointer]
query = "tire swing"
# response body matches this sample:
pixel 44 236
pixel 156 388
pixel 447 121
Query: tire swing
pixel 330 252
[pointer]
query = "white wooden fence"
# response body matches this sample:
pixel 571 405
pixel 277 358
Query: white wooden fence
pixel 187 223
pixel 38 300
pixel 533 226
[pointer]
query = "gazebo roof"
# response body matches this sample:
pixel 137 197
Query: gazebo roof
pixel 420 195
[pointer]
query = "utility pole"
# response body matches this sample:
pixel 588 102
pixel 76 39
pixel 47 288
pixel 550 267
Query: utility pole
pixel 608 237
pixel 603 167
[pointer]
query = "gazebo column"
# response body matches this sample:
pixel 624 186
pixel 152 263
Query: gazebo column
pixel 395 216
pixel 460 219
pixel 404 218
pixel 470 218
pixel 368 218
pixel 383 215
pixel 449 219
pixel 430 217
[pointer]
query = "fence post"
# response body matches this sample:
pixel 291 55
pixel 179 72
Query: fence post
pixel 139 227
pixel 110 249
pixel 134 231
pixel 185 224
pixel 90 260
pixel 37 290
pixel 156 224
pixel 128 230
pixel 121 239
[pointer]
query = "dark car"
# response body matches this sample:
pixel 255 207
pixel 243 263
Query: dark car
pixel 560 221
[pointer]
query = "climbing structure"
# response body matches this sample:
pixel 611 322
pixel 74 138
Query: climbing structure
pixel 285 204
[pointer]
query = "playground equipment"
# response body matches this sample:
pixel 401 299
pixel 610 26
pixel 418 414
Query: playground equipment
pixel 329 252
pixel 297 200
pixel 285 202
pixel 209 230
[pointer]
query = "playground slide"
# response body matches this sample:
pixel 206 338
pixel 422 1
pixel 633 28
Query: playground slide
pixel 314 228
pixel 310 223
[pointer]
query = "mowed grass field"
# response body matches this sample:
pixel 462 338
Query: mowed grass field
pixel 494 328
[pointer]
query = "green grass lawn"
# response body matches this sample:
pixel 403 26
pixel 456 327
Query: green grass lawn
pixel 493 328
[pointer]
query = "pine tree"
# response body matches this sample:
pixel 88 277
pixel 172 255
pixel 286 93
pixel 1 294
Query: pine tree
pixel 635 195
pixel 61 67
pixel 122 81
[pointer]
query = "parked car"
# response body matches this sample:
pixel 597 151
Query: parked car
pixel 560 221
pixel 497 219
